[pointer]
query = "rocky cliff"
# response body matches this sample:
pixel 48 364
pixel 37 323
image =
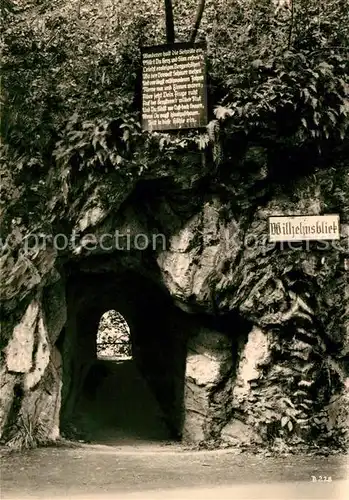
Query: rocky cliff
pixel 241 340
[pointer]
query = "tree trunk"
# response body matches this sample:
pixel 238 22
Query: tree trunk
pixel 170 36
pixel 199 13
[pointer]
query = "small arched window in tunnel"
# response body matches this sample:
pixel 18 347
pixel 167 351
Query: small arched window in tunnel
pixel 113 337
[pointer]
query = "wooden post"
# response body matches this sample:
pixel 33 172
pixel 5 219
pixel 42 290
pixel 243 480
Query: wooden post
pixel 170 36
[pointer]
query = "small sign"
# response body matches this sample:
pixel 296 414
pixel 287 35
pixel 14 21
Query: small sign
pixel 298 228
pixel 174 87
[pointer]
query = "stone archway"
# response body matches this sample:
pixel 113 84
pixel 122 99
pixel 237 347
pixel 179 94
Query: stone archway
pixel 186 359
pixel 158 340
pixel 116 403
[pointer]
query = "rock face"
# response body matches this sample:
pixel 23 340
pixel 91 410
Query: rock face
pixel 19 350
pixel 33 366
pixel 207 396
pixel 282 375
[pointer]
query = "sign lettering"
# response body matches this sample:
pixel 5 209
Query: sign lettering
pixel 174 87
pixel 298 228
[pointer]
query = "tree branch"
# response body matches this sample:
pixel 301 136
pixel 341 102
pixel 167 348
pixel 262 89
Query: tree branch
pixel 199 13
pixel 291 25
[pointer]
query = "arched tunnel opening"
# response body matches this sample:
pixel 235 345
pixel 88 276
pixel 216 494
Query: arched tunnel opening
pixel 117 403
pixel 127 391
pixel 113 337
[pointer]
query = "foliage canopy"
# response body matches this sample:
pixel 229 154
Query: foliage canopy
pixel 278 80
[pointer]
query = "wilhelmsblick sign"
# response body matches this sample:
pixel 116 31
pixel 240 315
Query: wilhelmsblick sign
pixel 309 227
pixel 174 87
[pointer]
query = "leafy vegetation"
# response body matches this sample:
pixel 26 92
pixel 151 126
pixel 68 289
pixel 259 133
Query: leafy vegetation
pixel 285 86
pixel 113 337
pixel 71 84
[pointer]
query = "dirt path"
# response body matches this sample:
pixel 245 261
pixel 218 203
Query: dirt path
pixel 139 464
pixel 154 472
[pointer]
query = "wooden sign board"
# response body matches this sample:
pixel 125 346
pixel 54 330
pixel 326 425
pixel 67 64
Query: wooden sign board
pixel 174 87
pixel 299 228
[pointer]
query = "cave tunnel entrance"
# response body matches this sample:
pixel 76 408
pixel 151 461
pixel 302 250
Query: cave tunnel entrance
pixel 124 359
pixel 116 403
